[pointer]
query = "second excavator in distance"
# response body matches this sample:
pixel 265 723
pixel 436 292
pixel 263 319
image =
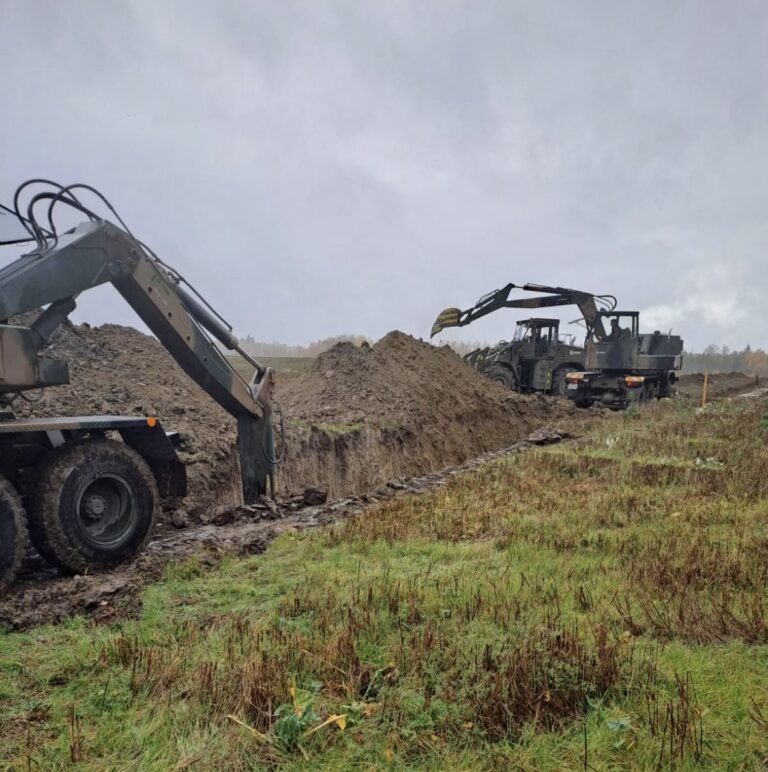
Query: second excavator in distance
pixel 616 368
pixel 539 357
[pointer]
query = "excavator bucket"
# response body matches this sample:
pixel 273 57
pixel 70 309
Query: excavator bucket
pixel 447 318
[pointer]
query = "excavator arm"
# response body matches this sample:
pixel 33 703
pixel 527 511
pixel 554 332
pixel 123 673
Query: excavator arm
pixel 99 252
pixel 551 296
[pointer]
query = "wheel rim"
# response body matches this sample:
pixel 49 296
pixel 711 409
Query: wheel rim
pixel 106 510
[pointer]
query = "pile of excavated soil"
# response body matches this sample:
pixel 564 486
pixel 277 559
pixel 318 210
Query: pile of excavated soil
pixel 691 385
pixel 117 370
pixel 399 407
pixel 358 417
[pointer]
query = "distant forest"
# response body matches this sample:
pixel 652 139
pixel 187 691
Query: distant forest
pixel 259 348
pixel 721 359
pixel 713 359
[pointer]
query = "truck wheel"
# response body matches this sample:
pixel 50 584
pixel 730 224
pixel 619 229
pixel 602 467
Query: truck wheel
pixel 559 384
pixel 13 533
pixel 649 392
pixel 503 376
pixel 93 505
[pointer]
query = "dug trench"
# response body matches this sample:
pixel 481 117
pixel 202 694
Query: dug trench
pixel 43 597
pixel 358 417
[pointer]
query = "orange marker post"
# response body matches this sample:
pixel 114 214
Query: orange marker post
pixel 704 391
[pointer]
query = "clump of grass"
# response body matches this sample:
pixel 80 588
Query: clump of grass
pixel 677 724
pixel 549 677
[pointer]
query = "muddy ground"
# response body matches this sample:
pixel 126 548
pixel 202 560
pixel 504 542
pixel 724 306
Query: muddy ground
pixel 691 385
pixel 364 415
pixel 43 596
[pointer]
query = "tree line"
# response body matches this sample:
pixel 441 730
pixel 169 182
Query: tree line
pixel 260 348
pixel 722 359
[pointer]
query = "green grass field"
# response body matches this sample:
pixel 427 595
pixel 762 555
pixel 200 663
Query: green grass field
pixel 599 607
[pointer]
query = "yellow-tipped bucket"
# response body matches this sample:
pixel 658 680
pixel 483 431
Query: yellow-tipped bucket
pixel 447 318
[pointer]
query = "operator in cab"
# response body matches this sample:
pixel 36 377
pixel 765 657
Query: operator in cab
pixel 617 333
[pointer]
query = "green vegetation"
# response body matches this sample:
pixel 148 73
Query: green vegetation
pixel 600 604
pixel 338 428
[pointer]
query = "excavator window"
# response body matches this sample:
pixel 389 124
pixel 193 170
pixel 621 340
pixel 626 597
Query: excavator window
pixel 523 332
pixel 617 329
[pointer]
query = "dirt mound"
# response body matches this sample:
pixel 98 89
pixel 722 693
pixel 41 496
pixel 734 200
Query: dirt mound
pixel 117 370
pixel 398 407
pixel 358 417
pixel 720 384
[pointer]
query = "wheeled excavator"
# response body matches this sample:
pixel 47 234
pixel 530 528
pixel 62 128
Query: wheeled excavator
pixel 625 367
pixel 86 489
pixel 538 358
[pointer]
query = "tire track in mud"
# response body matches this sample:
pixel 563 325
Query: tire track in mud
pixel 43 596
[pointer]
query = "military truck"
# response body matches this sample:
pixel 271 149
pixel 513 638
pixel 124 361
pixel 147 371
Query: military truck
pixel 624 366
pixel 539 357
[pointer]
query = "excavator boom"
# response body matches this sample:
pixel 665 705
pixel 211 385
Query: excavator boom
pixel 85 498
pixel 97 253
pixel 551 296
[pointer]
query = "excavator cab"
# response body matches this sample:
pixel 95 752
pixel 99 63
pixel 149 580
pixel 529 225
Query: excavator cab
pixel 619 325
pixel 537 336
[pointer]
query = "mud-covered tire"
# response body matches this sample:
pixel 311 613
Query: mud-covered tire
pixel 93 505
pixel 559 383
pixel 503 376
pixel 13 534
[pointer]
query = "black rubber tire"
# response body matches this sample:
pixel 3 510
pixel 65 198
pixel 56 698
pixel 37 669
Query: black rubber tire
pixel 649 393
pixel 503 376
pixel 58 517
pixel 559 384
pixel 14 539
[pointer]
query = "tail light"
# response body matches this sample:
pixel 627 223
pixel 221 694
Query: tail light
pixel 574 377
pixel 633 381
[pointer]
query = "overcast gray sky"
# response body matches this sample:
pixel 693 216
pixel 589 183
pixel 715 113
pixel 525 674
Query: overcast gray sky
pixel 327 167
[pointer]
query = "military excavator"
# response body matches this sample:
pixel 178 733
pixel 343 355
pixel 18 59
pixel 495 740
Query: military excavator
pixel 86 489
pixel 625 367
pixel 538 358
